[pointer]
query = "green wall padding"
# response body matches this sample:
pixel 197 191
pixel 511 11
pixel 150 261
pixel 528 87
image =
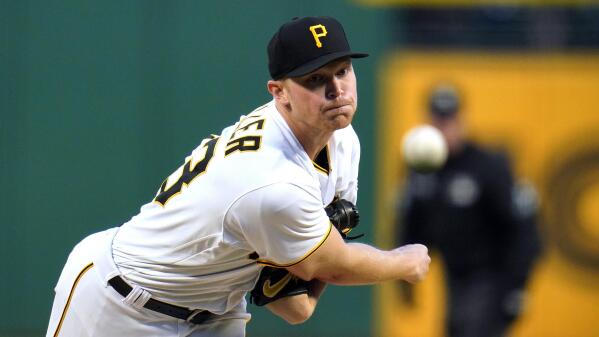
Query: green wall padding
pixel 101 100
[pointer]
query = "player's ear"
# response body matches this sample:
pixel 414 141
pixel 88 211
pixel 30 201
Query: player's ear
pixel 277 91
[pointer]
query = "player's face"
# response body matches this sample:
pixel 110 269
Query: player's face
pixel 452 131
pixel 325 99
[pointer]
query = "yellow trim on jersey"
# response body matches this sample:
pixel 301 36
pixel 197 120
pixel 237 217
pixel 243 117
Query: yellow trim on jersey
pixel 272 264
pixel 320 168
pixel 66 307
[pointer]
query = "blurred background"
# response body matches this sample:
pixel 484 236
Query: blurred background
pixel 100 100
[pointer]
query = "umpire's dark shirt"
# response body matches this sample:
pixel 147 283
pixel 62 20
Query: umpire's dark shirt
pixel 466 211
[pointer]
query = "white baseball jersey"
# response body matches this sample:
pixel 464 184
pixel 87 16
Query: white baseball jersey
pixel 252 189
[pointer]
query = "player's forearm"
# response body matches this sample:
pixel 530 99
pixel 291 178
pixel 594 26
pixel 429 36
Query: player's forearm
pixel 316 289
pixel 293 309
pixel 364 264
pixel 338 262
pixel 361 264
pixel 297 309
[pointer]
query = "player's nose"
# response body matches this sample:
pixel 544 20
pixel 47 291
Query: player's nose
pixel 334 88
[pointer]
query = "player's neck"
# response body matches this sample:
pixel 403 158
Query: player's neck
pixel 313 144
pixel 311 139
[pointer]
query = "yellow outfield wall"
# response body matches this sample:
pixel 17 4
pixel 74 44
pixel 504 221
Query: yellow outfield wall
pixel 543 109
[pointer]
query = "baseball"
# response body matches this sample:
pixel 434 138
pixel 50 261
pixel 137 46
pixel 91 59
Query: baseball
pixel 424 148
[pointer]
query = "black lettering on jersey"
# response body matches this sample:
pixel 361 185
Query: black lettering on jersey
pixel 187 175
pixel 259 125
pixel 247 143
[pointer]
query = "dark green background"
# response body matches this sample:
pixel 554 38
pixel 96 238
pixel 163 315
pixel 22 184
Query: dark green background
pixel 101 100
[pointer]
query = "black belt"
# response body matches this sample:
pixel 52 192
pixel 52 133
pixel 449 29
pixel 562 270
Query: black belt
pixel 192 316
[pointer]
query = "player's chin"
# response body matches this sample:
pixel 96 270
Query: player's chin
pixel 341 120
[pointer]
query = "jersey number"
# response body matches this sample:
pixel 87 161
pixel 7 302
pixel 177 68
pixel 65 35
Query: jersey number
pixel 187 175
pixel 194 168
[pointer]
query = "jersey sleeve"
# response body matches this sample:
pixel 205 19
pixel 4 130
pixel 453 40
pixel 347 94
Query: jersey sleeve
pixel 282 222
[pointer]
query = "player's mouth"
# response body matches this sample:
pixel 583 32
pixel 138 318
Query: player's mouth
pixel 343 108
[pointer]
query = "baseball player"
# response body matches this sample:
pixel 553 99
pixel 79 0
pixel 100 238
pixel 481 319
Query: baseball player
pixel 251 198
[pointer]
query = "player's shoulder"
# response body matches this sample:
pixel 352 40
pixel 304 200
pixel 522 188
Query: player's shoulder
pixel 270 154
pixel 288 190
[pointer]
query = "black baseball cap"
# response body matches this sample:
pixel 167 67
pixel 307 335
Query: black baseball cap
pixel 444 101
pixel 303 45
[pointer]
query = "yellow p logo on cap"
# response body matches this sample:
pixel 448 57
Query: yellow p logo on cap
pixel 318 34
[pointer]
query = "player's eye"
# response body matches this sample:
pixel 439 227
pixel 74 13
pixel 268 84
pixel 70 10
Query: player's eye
pixel 316 79
pixel 343 71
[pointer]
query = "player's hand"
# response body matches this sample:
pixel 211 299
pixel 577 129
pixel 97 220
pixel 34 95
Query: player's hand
pixel 416 262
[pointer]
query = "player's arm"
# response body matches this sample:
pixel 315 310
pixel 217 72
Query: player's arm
pixel 289 297
pixel 338 262
pixel 299 308
pixel 292 220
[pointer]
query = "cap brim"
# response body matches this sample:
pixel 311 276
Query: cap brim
pixel 321 62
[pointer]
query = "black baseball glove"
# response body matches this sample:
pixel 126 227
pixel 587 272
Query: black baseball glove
pixel 344 216
pixel 275 283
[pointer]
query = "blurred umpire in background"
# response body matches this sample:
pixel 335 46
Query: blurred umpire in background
pixel 481 222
